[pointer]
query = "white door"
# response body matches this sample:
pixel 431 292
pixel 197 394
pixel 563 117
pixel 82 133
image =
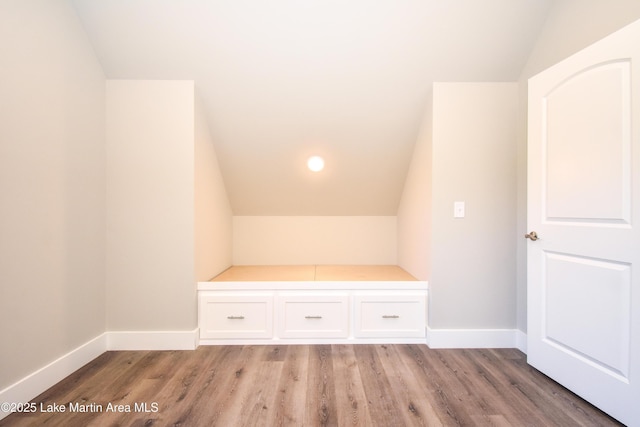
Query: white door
pixel 584 206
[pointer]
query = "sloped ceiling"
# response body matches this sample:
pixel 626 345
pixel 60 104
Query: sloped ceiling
pixel 281 80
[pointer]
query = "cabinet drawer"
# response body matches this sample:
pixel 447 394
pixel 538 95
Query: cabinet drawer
pixel 236 316
pixel 313 316
pixel 390 316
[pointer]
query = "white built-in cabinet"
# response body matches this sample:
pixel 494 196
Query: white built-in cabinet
pixel 312 312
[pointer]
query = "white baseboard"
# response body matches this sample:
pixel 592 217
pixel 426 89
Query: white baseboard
pixel 475 338
pixel 153 340
pixel 37 382
pixel 521 341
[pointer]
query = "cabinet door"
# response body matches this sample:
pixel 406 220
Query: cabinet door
pixel 390 315
pixel 313 315
pixel 235 316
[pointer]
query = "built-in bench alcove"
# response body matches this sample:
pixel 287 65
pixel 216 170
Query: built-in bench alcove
pixel 312 304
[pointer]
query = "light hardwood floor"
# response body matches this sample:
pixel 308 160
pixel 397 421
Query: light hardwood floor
pixel 312 385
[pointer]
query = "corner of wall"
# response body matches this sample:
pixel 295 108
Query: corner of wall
pixel 213 214
pixel 414 210
pixel 474 161
pixel 150 239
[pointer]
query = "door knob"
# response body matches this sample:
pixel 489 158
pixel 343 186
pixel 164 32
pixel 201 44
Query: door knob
pixel 533 236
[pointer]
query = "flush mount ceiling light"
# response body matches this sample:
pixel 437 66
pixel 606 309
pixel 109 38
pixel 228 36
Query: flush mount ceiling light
pixel 315 163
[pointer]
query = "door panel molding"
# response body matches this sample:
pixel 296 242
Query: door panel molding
pixel 587 130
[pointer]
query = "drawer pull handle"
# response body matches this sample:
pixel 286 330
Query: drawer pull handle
pixel 235 317
pixel 313 317
pixel 391 316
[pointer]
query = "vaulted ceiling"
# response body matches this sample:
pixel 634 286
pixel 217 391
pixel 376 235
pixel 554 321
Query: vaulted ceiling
pixel 282 80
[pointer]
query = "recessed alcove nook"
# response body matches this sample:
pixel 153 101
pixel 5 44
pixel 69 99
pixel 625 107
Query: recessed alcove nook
pixel 204 218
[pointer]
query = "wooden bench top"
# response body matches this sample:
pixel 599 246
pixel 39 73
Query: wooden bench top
pixel 318 273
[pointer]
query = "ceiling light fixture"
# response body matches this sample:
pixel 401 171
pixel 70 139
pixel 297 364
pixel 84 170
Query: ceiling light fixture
pixel 315 163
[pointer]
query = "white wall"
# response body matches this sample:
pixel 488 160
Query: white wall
pixel 414 211
pixel 52 183
pixel 150 206
pixel 213 224
pixel 277 240
pixel 472 283
pixel 571 26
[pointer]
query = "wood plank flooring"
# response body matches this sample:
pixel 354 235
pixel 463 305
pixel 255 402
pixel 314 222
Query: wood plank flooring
pixel 311 385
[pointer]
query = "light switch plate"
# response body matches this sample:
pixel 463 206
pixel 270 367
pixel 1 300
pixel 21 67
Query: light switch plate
pixel 458 209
